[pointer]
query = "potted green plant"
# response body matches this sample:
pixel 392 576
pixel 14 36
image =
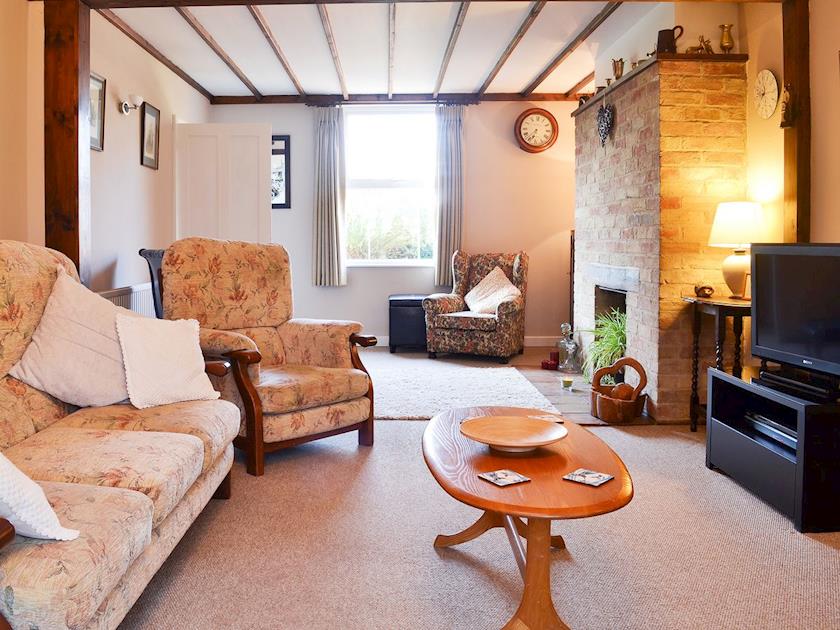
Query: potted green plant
pixel 610 341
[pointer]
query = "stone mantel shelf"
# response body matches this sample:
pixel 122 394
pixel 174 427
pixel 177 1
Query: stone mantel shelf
pixel 649 63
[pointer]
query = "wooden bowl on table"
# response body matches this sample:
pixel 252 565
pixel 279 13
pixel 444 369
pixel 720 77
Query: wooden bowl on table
pixel 513 434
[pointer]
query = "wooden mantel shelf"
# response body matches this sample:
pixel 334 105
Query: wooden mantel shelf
pixel 652 61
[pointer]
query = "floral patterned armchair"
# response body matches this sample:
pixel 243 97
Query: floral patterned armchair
pixel 294 380
pixel 452 327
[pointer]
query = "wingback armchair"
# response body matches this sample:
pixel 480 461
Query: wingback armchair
pixel 294 380
pixel 452 327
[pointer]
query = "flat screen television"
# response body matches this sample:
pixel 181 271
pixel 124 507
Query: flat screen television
pixel 796 305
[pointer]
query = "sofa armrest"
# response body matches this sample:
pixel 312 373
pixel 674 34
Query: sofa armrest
pixel 321 342
pixel 511 309
pixel 441 303
pixel 216 343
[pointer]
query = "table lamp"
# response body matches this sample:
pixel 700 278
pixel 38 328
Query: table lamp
pixel 736 225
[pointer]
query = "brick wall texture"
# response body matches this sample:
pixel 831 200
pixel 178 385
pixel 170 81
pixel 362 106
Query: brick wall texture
pixel 647 201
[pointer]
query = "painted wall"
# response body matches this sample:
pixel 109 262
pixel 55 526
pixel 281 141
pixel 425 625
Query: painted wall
pixel 761 33
pixel 825 94
pixel 13 119
pixel 513 200
pixel 133 206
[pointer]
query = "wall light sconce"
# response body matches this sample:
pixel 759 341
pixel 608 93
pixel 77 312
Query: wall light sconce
pixel 133 102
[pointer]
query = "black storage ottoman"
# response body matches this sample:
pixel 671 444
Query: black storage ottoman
pixel 406 321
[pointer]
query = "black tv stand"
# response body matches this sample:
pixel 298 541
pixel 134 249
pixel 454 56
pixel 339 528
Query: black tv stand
pixel 783 448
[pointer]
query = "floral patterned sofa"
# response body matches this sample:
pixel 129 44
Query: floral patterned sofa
pixel 131 481
pixel 452 327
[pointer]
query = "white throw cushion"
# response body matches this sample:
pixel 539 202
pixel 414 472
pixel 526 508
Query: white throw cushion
pixel 24 504
pixel 74 354
pixel 163 361
pixel 493 289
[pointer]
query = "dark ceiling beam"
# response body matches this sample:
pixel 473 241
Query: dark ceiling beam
pixel 520 33
pixel 336 99
pixel 577 87
pixel 573 45
pixel 328 33
pixel 392 40
pixel 138 39
pixel 214 46
pixel 450 47
pixel 259 18
pixel 127 4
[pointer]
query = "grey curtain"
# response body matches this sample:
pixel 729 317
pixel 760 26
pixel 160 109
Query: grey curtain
pixel 450 188
pixel 330 268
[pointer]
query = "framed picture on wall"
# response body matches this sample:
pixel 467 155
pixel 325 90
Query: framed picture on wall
pixel 281 183
pixel 149 136
pixel 97 112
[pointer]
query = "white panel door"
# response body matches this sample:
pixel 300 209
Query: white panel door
pixel 223 181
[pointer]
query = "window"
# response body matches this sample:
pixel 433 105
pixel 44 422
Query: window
pixel 391 200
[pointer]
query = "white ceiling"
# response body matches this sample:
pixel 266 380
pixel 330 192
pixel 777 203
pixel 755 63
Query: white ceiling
pixel 361 37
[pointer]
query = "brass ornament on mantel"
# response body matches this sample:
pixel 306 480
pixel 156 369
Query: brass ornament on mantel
pixel 705 47
pixel 726 41
pixel 618 68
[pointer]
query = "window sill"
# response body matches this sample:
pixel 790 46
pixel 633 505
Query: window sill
pixel 390 263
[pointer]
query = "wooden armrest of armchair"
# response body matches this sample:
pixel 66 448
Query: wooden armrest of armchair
pixel 7 535
pixel 7 532
pixel 366 341
pixel 216 366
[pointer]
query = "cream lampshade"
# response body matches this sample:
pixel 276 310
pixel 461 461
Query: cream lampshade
pixel 737 224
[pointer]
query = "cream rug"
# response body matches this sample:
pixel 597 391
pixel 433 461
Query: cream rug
pixel 410 386
pixel 338 537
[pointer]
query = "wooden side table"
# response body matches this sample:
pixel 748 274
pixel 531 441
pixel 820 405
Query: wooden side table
pixel 720 308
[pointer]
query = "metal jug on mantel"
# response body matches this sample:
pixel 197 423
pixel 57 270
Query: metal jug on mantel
pixel 666 42
pixel 618 68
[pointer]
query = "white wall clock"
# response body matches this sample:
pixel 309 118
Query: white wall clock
pixel 766 94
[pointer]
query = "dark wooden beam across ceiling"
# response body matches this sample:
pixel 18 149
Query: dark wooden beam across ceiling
pixel 607 11
pixel 328 33
pixel 577 87
pixel 450 47
pixel 127 4
pixel 259 18
pixel 204 34
pixel 337 99
pixel 536 8
pixel 138 39
pixel 67 131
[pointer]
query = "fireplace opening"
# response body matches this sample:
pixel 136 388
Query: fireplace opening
pixel 607 300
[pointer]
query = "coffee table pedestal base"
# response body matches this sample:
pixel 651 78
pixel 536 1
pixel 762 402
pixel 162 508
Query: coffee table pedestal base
pixel 536 610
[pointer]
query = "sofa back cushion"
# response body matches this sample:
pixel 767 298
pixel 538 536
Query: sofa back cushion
pixel 27 274
pixel 227 285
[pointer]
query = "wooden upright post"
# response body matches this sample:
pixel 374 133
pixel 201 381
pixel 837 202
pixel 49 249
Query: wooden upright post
pixel 797 69
pixel 67 130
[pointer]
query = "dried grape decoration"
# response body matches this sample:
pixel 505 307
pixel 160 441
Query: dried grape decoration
pixel 606 116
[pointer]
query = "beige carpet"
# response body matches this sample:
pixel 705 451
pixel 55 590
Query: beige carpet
pixel 337 537
pixel 410 386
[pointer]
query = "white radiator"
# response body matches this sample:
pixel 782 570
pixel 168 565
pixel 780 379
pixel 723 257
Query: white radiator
pixel 137 298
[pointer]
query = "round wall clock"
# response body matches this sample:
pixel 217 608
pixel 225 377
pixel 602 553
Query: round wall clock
pixel 766 94
pixel 535 130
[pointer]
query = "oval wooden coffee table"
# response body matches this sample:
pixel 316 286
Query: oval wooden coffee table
pixel 455 462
